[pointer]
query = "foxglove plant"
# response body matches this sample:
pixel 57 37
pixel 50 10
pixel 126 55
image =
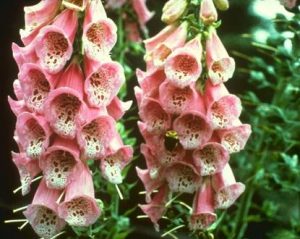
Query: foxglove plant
pixel 67 112
pixel 189 120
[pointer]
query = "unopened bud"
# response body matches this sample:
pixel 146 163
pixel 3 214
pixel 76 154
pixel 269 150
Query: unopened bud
pixel 222 5
pixel 172 10
pixel 208 13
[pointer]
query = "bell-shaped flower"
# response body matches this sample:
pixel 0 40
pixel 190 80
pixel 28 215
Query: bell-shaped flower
pixel 95 135
pixel 80 207
pixel 113 163
pixel 226 188
pixel 118 108
pixel 25 54
pixel 99 32
pixel 223 109
pixel 58 162
pixel 28 168
pixel 193 129
pixel 36 86
pixel 37 16
pixel 142 12
pixel 64 107
pixel 220 65
pixel 17 106
pixel 103 83
pixel 33 133
pixel 172 10
pixel 151 161
pixel 155 118
pixel 183 177
pixel 208 12
pixel 211 158
pixel 203 209
pixel 183 66
pixel 42 212
pixel 77 5
pixel 54 43
pixel 235 138
pixel 156 208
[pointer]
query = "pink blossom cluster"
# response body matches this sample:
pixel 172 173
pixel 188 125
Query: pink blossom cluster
pixel 189 135
pixel 66 115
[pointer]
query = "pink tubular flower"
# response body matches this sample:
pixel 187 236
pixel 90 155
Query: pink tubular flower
pixel 94 136
pixel 117 108
pixel 103 83
pixel 143 13
pixel 28 168
pixel 193 129
pixel 54 43
pixel 183 66
pixel 226 188
pixel 203 210
pixel 99 32
pixel 33 134
pixel 235 138
pixel 156 208
pixel 24 54
pixel 132 31
pixel 80 207
pixel 37 16
pixel 18 89
pixel 64 107
pixel 17 106
pixel 78 5
pixel 211 158
pixel 42 212
pixel 208 12
pixel 220 66
pixel 151 161
pixel 58 162
pixel 223 109
pixel 36 85
pixel 156 119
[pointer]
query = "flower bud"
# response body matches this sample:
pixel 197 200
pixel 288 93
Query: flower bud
pixel 172 10
pixel 208 13
pixel 222 5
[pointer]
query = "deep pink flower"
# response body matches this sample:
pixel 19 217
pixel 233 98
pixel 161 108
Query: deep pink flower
pixel 80 207
pixel 211 158
pixel 25 54
pixel 36 85
pixel 33 133
pixel 203 210
pixel 28 168
pixel 64 107
pixel 59 161
pixel 226 188
pixel 42 212
pixel 183 66
pixel 220 66
pixel 54 43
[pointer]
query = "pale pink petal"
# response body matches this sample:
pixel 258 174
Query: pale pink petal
pixel 118 108
pixel 193 129
pixel 80 207
pixel 103 84
pixel 113 164
pixel 142 12
pixel 36 85
pixel 220 66
pixel 42 212
pixel 37 16
pixel 28 168
pixel 183 66
pixel 54 43
pixel 94 136
pixel 132 32
pixel 151 161
pixel 156 119
pixel 58 162
pixel 211 158
pixel 234 139
pixel 18 89
pixel 17 106
pixel 208 12
pixel 33 133
pixel 226 188
pixel 77 5
pixel 156 208
pixel 64 107
pixel 24 54
pixel 203 210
